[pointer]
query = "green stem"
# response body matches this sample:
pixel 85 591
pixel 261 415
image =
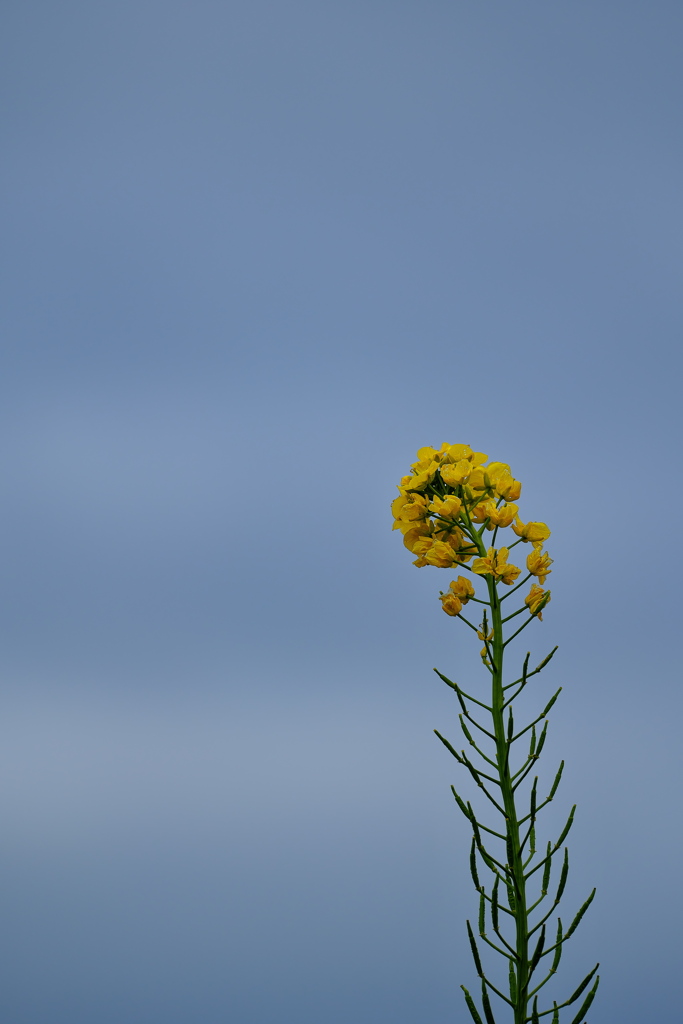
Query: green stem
pixel 514 845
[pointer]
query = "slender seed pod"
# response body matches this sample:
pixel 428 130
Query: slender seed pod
pixel 565 830
pixel 546 871
pixel 563 876
pixel 577 992
pixel 482 914
pixel 587 1002
pixel 538 952
pixel 559 942
pixel 466 731
pixel 535 1019
pixel 553 789
pixel 475 951
pixel 471 1007
pixel 575 923
pixel 545 661
pixel 509 848
pixel 512 979
pixel 551 701
pixel 461 804
pixel 473 866
pixel 494 905
pixel 533 798
pixel 541 740
pixel 485 1002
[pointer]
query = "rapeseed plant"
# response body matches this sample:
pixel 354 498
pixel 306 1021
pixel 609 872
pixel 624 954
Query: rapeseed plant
pixel 450 509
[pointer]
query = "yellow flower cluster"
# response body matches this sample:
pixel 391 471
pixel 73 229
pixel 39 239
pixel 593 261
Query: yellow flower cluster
pixel 444 505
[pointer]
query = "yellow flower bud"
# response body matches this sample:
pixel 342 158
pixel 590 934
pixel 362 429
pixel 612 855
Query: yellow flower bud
pixel 537 599
pixel 451 604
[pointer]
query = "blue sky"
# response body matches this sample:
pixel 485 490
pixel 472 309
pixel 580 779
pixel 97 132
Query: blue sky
pixel 255 255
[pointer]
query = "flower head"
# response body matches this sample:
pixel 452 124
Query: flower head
pixel 409 508
pixel 507 487
pixel 537 533
pixel 456 474
pixel 501 515
pixel 483 510
pixel 462 588
pixel 536 600
pixel 441 555
pixel 538 563
pixel 496 564
pixel 451 604
pixel 418 538
pixel 447 508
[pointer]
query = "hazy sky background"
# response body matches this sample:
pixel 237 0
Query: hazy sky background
pixel 255 255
